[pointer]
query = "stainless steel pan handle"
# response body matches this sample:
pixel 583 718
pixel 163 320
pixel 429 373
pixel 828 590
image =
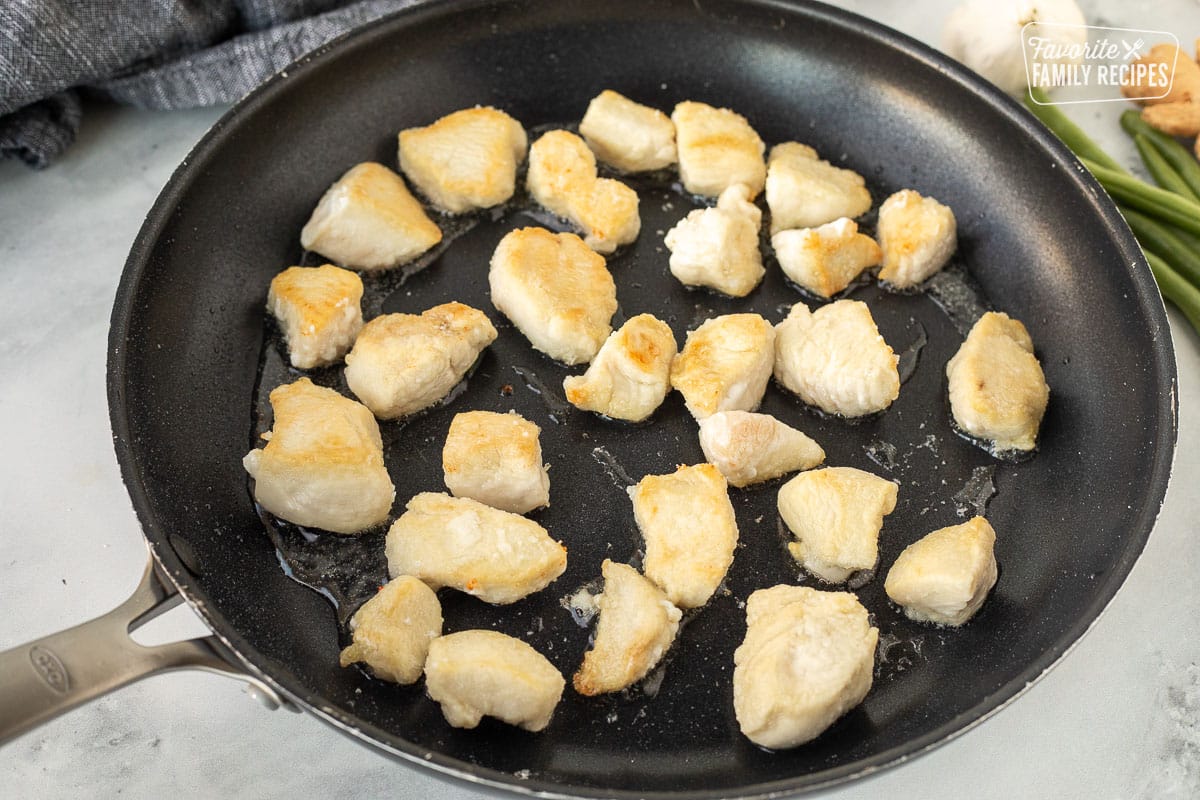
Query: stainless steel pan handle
pixel 47 677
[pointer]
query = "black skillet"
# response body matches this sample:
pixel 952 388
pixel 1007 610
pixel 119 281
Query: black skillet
pixel 1038 239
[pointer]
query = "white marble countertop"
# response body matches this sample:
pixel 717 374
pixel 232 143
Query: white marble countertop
pixel 1119 717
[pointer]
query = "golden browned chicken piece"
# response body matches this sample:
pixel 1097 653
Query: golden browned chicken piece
pixel 807 659
pixel 473 674
pixel 496 459
pixel 717 148
pixel 494 555
pixel 628 135
pixel 751 448
pixel 392 631
pixel 725 364
pixel 836 514
pixel 323 463
pixel 945 576
pixel 562 177
pixel 917 235
pixel 998 392
pixel 631 375
pixel 826 259
pixel 319 310
pixel 835 359
pixel 637 625
pixel 465 160
pixel 718 247
pixel 403 363
pixel 690 531
pixel 556 290
pixel 803 191
pixel 369 220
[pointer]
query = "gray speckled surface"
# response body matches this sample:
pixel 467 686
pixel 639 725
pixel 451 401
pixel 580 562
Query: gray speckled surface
pixel 1117 718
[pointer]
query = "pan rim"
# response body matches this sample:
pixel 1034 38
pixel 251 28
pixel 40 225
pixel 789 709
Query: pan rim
pixel 1146 297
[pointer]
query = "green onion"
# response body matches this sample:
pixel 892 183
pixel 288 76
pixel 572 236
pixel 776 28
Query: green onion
pixel 1159 203
pixel 1162 172
pixel 1070 133
pixel 1175 288
pixel 1175 154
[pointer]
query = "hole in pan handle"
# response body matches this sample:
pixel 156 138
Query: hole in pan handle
pixel 41 679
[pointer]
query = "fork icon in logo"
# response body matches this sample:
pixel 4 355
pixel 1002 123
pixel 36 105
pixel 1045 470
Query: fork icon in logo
pixel 1132 50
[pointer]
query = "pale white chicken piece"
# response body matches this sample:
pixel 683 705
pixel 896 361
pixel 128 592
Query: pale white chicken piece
pixel 690 531
pixel 392 631
pixel 628 135
pixel 718 247
pixel 803 191
pixel 556 290
pixel 476 673
pixel 319 310
pixel 945 576
pixel 496 459
pixel 917 234
pixel 751 448
pixel 369 220
pixel 494 555
pixel 835 359
pixel 807 659
pixel 826 259
pixel 562 177
pixel 403 363
pixel 323 463
pixel 725 364
pixel 631 375
pixel 465 160
pixel 637 625
pixel 836 514
pixel 717 148
pixel 997 389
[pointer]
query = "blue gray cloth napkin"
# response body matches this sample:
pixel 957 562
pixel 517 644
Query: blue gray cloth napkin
pixel 159 54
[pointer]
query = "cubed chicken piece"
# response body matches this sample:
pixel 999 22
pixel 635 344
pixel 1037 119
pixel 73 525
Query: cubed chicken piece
pixel 826 259
pixel 836 514
pixel 319 310
pixel 804 192
pixel 997 390
pixel 557 291
pixel 717 148
pixel 631 375
pixel 369 220
pixel 403 363
pixel 323 463
pixel 392 631
pixel 917 234
pixel 835 359
pixel 688 524
pixel 807 659
pixel 494 555
pixel 496 459
pixel 718 247
pixel 628 135
pixel 945 576
pixel 473 674
pixel 725 364
pixel 465 160
pixel 751 448
pixel 562 177
pixel 637 625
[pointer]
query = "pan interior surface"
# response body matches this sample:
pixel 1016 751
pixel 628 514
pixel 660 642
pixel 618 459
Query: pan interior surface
pixel 1035 240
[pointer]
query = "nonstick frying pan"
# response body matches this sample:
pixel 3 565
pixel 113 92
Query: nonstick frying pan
pixel 191 358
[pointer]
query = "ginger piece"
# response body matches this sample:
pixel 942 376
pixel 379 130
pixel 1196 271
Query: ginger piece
pixel 1155 83
pixel 1174 119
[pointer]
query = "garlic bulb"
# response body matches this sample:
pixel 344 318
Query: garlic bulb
pixel 985 35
